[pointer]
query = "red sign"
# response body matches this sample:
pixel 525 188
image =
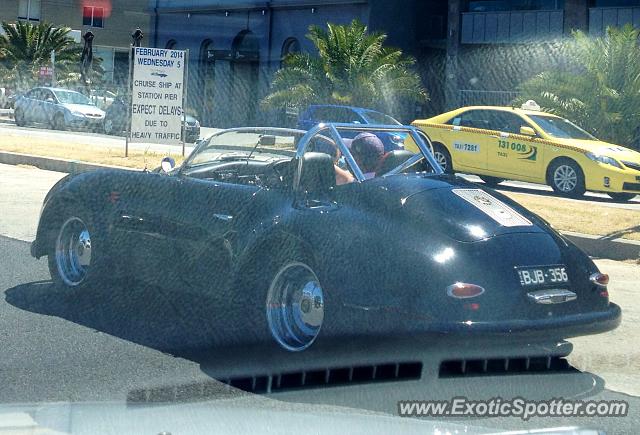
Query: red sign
pixel 46 71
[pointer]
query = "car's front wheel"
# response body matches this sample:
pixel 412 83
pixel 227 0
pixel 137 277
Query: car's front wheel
pixel 295 306
pixel 58 123
pixel 443 157
pixel 72 257
pixel 491 181
pixel 621 196
pixel 565 177
pixel 108 126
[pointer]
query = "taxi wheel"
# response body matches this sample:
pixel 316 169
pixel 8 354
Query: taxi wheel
pixel 443 158
pixel 621 196
pixel 491 181
pixel 566 178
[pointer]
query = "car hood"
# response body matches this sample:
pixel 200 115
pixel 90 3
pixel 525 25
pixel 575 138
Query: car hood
pixel 449 205
pixel 84 108
pixel 602 148
pixel 253 415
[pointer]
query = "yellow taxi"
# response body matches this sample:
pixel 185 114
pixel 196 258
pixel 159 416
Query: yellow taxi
pixel 526 144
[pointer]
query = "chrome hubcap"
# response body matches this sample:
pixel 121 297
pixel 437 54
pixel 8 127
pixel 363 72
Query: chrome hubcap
pixel 73 252
pixel 295 307
pixel 565 178
pixel 441 159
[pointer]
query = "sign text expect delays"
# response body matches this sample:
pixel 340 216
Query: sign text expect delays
pixel 157 95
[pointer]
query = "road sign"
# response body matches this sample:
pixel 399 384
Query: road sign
pixel 45 71
pixel 157 95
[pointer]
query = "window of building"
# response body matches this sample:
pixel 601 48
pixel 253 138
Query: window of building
pixel 613 3
pixel 514 5
pixel 29 10
pixel 93 16
pixel 291 45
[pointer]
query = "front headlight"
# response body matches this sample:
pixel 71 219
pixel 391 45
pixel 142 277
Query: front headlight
pixel 80 114
pixel 604 159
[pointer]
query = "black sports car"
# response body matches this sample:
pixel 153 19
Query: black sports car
pixel 255 219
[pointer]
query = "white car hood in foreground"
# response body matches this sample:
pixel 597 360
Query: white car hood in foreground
pixel 254 415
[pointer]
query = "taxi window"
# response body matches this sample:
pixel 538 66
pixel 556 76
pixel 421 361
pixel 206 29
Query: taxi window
pixel 504 121
pixel 472 119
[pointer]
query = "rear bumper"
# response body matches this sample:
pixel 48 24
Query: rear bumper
pixel 561 327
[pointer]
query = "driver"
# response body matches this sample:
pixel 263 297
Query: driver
pixel 367 150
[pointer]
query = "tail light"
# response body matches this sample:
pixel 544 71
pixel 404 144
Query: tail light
pixel 599 279
pixel 462 290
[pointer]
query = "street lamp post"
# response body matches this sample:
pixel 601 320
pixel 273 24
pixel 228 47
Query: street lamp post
pixel 136 36
pixel 86 60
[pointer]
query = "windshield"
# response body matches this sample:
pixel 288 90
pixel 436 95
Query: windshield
pixel 241 144
pixel 379 118
pixel 69 97
pixel 560 128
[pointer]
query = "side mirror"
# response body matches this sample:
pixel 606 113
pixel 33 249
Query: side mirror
pixel 527 131
pixel 316 174
pixel 167 164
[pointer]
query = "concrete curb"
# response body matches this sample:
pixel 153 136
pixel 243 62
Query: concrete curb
pixel 49 164
pixel 600 247
pixel 596 246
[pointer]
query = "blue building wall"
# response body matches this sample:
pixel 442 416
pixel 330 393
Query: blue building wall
pixel 224 90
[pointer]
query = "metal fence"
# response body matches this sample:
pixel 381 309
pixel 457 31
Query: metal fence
pixel 487 98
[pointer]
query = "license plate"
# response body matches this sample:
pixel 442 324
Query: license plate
pixel 536 276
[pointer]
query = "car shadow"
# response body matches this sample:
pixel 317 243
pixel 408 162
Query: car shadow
pixel 180 323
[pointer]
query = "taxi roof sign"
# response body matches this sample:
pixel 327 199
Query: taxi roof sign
pixel 530 105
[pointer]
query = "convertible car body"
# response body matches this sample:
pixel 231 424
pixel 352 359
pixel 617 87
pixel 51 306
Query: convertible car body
pixel 254 219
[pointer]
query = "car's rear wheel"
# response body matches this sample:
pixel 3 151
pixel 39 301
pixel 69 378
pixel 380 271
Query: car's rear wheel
pixel 18 116
pixel 58 122
pixel 621 196
pixel 443 158
pixel 72 257
pixel 491 181
pixel 295 306
pixel 565 177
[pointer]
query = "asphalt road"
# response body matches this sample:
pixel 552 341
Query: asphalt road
pixel 111 342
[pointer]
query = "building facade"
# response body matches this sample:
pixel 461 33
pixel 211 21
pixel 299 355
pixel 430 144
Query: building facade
pixel 111 21
pixel 468 51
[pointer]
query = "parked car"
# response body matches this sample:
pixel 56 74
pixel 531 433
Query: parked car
pixel 58 108
pixel 5 93
pixel 316 114
pixel 526 144
pixel 115 121
pixel 254 220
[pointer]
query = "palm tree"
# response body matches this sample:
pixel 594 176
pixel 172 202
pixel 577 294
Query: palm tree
pixel 600 89
pixel 25 47
pixel 353 67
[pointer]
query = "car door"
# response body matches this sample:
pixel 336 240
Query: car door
pixel 144 226
pixel 48 106
pixel 511 154
pixel 468 140
pixel 206 213
pixel 31 109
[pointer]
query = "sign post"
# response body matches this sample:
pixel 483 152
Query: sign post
pixel 157 100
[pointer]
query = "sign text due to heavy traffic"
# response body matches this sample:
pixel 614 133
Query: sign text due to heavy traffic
pixel 156 102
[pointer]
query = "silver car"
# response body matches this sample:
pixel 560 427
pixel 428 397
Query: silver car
pixel 58 108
